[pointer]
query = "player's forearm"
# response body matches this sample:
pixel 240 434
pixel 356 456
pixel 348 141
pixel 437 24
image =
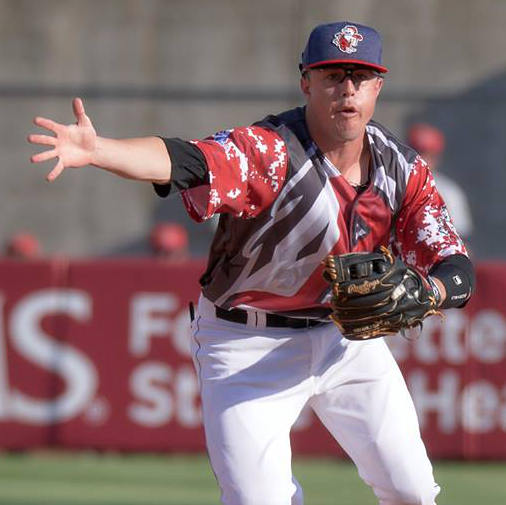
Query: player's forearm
pixel 143 159
pixel 455 279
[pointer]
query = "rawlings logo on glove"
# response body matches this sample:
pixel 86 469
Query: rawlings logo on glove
pixel 374 294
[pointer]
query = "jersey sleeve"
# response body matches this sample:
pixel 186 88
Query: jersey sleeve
pixel 246 170
pixel 425 233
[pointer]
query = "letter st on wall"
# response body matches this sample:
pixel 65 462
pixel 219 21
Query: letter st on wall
pixel 96 354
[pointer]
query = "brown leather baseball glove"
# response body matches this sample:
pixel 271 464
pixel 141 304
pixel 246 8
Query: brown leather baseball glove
pixel 375 294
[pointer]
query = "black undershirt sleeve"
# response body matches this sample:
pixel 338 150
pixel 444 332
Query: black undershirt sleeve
pixel 456 272
pixel 188 167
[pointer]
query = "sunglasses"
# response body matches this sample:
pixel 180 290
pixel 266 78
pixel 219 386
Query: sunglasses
pixel 358 75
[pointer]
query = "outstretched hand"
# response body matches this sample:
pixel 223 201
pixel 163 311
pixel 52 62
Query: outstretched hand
pixel 73 145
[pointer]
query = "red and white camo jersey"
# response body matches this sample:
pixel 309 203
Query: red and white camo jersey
pixel 262 264
pixel 425 232
pixel 246 170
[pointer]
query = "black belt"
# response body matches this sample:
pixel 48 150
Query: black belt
pixel 271 320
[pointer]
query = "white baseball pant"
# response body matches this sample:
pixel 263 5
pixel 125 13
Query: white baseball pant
pixel 254 383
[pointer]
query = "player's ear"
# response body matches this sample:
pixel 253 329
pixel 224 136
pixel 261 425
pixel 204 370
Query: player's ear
pixel 304 84
pixel 379 85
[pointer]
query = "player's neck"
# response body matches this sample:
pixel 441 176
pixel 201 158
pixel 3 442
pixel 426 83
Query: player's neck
pixel 344 154
pixel 352 158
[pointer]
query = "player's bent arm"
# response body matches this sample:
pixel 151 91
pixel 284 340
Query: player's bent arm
pixel 142 159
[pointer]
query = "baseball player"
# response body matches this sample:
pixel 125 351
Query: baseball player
pixel 292 190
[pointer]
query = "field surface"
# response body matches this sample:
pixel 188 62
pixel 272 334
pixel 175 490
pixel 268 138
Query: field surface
pixel 112 479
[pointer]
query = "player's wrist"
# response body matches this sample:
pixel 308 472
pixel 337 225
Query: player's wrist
pixel 96 154
pixel 438 289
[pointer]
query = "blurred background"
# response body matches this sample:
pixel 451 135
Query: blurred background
pixel 190 68
pixel 94 352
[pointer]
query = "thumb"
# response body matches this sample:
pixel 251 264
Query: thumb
pixel 79 113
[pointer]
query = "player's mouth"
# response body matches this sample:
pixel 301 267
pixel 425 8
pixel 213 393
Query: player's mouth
pixel 346 112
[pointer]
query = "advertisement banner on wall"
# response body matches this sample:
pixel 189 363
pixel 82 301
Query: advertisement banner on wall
pixel 96 354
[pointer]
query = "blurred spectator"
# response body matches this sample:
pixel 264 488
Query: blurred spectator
pixel 169 241
pixel 23 245
pixel 429 142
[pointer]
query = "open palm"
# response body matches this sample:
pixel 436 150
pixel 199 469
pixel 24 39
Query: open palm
pixel 73 145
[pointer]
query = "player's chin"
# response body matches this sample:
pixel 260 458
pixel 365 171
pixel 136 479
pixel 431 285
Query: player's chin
pixel 348 127
pixel 349 133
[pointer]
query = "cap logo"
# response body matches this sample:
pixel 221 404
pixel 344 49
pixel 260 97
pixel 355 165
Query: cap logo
pixel 347 39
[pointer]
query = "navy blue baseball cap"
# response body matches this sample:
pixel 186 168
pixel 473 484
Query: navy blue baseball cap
pixel 343 42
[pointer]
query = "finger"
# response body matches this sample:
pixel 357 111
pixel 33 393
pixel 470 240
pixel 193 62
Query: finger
pixel 42 139
pixel 46 123
pixel 46 155
pixel 57 170
pixel 78 106
pixel 80 113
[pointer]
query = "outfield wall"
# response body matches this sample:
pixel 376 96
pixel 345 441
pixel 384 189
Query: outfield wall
pixel 95 354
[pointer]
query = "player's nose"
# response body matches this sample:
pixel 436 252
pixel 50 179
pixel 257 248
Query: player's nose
pixel 347 87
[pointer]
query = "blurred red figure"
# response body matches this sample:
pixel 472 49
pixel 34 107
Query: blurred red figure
pixel 425 138
pixel 169 241
pixel 23 245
